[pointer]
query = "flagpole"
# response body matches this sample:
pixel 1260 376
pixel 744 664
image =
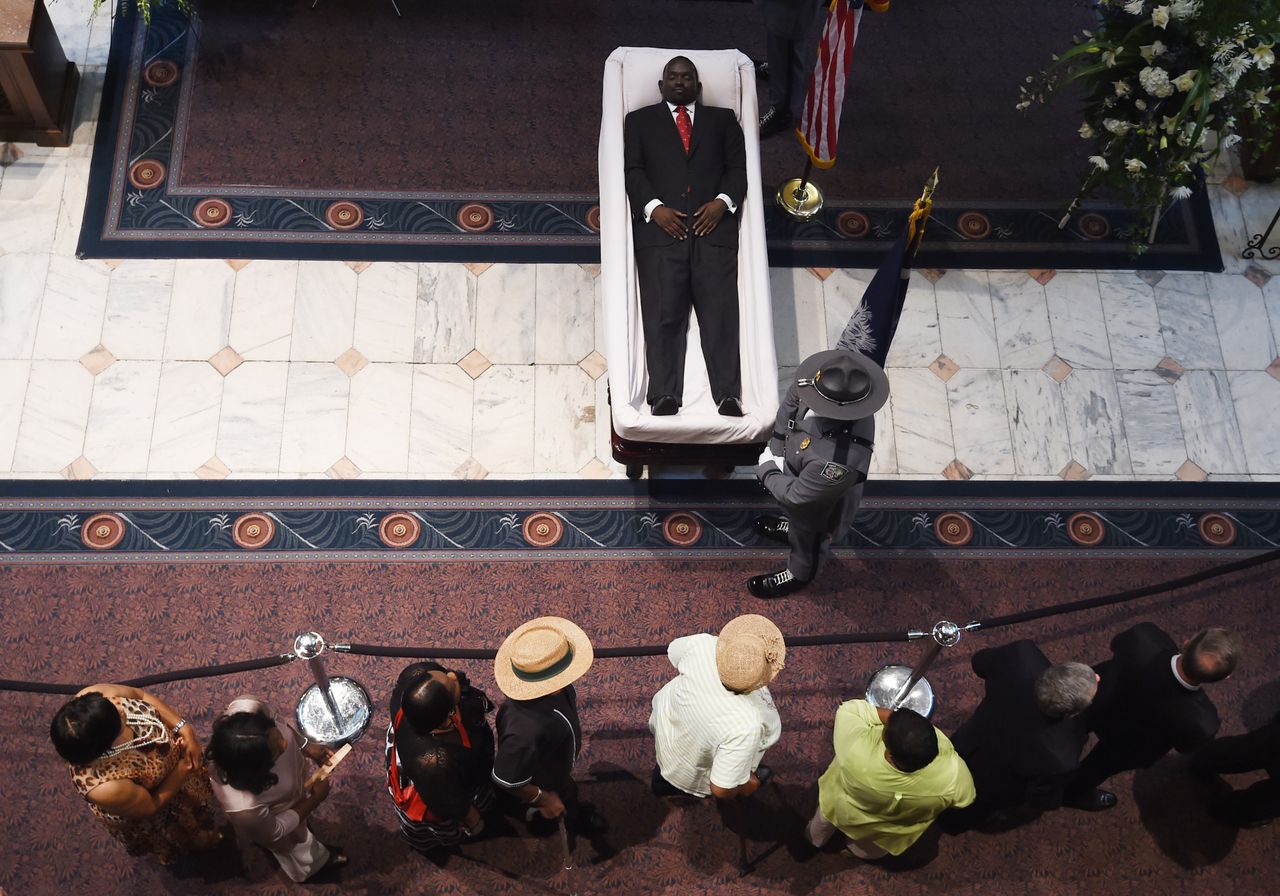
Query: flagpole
pixel 804 180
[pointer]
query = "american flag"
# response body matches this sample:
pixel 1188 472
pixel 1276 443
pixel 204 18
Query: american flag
pixel 820 121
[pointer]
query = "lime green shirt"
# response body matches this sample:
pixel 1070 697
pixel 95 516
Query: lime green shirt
pixel 868 799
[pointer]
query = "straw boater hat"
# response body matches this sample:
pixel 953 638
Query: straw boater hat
pixel 842 385
pixel 541 657
pixel 749 653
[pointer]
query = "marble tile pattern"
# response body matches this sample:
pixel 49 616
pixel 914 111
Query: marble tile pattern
pixel 1077 319
pixel 1132 320
pixel 966 320
pixel 1187 321
pixel 105 365
pixel 1153 430
pixel 137 312
pixel 1022 322
pixel 262 310
pixel 379 418
pixel 1037 423
pixel 315 417
pixel 1094 422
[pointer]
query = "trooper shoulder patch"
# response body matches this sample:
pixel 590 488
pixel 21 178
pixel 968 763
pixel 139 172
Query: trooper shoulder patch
pixel 833 472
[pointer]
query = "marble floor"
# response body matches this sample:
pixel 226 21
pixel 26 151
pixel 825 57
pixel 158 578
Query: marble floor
pixel 263 369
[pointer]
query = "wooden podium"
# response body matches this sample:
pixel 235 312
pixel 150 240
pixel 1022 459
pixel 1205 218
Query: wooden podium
pixel 37 83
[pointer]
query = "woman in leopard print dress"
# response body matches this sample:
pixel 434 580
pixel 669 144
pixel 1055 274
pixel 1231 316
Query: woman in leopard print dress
pixel 138 765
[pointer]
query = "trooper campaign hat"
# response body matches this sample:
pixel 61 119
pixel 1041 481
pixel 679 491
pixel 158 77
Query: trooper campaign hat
pixel 842 385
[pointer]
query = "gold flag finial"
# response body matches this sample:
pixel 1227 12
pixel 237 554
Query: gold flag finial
pixel 929 186
pixel 920 212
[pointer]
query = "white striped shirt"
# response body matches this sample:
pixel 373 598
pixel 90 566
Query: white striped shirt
pixel 704 733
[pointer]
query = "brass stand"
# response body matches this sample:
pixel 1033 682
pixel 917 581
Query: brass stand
pixel 799 198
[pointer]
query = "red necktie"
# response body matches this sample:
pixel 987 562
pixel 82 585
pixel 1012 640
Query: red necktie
pixel 685 126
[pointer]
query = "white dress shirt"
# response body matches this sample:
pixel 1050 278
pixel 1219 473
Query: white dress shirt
pixel 704 733
pixel 654 203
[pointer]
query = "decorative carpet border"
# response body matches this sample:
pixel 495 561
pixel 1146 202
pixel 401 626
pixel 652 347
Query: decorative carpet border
pixel 138 205
pixel 68 530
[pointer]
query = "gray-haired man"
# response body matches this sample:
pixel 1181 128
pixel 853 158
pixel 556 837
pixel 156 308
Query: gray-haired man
pixel 1025 738
pixel 817 461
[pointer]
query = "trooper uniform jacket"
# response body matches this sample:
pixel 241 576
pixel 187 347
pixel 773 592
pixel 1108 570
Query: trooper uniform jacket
pixel 826 464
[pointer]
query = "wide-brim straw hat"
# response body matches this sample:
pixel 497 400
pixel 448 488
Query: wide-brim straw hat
pixel 542 656
pixel 750 652
pixel 842 385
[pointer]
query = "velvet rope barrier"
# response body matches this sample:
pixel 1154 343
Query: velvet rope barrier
pixel 824 640
pixel 40 687
pixel 1130 594
pixel 460 653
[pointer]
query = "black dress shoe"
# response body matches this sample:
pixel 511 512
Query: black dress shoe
pixel 588 823
pixel 662 787
pixel 775 584
pixel 664 406
pixel 774 121
pixel 1093 801
pixel 729 407
pixel 775 528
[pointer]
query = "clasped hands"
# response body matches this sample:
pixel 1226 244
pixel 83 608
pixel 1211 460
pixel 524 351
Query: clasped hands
pixel 674 223
pixel 767 456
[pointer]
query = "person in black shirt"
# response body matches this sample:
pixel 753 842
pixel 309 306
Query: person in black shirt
pixel 1150 700
pixel 1025 739
pixel 1259 803
pixel 539 735
pixel 439 756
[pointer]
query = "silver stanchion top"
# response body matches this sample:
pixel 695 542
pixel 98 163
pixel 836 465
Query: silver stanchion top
pixel 885 691
pixel 308 645
pixel 946 633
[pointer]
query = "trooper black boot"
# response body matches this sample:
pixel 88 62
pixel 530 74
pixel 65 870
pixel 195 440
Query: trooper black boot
pixel 775 584
pixel 774 121
pixel 773 527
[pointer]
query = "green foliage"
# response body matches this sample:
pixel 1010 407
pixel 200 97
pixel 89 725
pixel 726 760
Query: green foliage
pixel 1159 76
pixel 145 6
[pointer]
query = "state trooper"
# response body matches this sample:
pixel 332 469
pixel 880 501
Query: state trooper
pixel 816 462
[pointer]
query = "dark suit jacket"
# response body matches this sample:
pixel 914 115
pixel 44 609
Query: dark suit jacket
pixel 1141 706
pixel 656 167
pixel 1013 751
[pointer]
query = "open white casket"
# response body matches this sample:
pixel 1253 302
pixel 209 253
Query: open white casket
pixel 631 77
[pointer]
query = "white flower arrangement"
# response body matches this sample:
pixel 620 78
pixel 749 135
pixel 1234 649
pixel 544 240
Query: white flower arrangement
pixel 1151 128
pixel 1155 81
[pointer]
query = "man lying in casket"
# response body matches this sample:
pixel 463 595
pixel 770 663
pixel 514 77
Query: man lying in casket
pixel 686 176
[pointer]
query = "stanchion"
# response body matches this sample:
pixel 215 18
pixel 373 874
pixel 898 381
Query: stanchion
pixel 905 687
pixel 333 710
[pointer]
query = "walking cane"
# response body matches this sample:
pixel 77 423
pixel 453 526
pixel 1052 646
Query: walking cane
pixel 566 858
pixel 743 865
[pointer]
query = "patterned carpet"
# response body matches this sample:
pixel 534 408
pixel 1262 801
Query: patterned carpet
pixel 80 621
pixel 470 134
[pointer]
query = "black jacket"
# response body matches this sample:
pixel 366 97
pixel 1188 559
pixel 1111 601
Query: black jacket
pixel 656 167
pixel 1141 704
pixel 1015 753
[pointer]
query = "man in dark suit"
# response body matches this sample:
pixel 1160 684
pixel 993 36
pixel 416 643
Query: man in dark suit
pixel 1258 750
pixel 1150 701
pixel 686 176
pixel 1026 736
